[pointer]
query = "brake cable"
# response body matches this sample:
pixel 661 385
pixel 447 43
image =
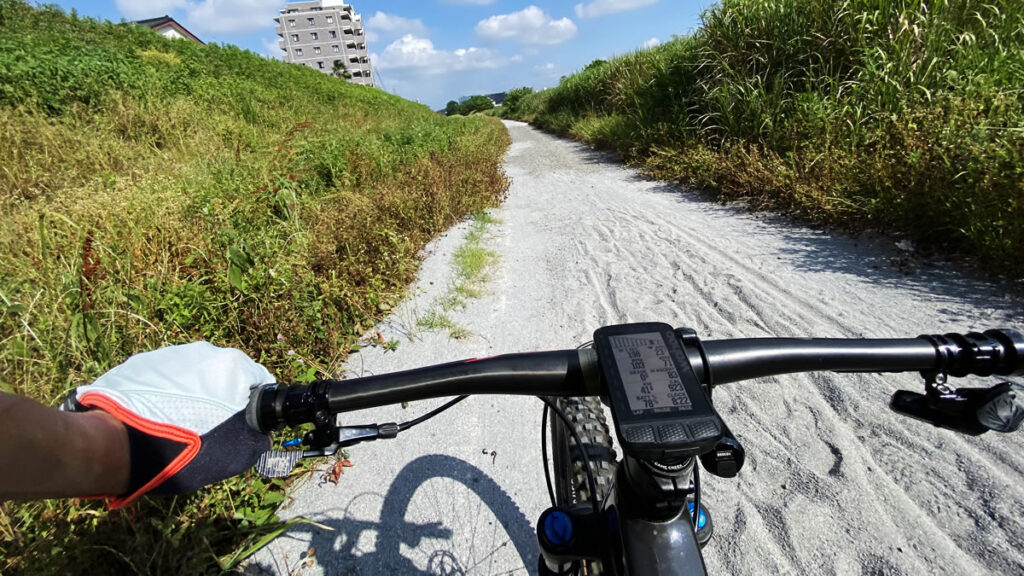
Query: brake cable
pixel 586 457
pixel 406 425
pixel 544 454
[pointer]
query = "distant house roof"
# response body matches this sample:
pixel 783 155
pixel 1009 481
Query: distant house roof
pixel 165 24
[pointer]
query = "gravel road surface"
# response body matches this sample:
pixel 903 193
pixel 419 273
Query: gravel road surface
pixel 834 482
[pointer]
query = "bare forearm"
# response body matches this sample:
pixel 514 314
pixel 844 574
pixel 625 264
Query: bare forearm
pixel 45 453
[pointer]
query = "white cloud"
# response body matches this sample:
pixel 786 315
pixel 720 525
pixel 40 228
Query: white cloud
pixel 549 70
pixel 208 16
pixel 143 9
pixel 413 53
pixel 271 48
pixel 603 7
pixel 651 43
pixel 382 24
pixel 231 16
pixel 530 26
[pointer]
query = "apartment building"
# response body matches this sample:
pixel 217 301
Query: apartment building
pixel 320 32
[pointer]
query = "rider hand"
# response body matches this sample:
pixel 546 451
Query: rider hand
pixel 184 409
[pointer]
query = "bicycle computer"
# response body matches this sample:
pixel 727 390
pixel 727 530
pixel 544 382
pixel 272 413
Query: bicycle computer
pixel 659 407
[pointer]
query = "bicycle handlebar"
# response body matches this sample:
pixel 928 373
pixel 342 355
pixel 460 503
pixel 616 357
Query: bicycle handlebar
pixel 980 354
pixel 576 373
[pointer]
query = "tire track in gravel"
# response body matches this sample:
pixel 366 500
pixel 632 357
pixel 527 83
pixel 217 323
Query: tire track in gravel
pixel 834 484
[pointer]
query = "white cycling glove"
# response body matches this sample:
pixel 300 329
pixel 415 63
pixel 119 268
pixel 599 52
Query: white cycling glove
pixel 184 409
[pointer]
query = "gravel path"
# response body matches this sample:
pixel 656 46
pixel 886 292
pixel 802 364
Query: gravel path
pixel 834 482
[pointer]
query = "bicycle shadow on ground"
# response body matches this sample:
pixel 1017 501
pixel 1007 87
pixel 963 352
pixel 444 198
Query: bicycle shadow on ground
pixel 342 549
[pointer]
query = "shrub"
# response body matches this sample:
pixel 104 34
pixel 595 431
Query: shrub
pixel 158 191
pixel 867 113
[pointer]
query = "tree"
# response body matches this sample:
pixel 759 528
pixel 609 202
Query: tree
pixel 339 70
pixel 452 108
pixel 513 99
pixel 478 103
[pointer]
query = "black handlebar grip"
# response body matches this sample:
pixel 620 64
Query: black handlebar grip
pixel 274 406
pixel 980 353
pixel 1013 346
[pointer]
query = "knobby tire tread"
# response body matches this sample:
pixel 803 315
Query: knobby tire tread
pixel 570 477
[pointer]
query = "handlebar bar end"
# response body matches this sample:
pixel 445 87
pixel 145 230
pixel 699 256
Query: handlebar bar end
pixel 254 415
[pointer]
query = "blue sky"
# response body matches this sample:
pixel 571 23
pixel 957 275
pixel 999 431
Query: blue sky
pixel 433 51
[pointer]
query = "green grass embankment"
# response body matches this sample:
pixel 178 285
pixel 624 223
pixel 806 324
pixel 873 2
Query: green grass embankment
pixel 905 117
pixel 158 191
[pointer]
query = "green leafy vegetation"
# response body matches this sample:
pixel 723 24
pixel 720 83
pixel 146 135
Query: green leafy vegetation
pixel 473 104
pixel 157 191
pixel 514 100
pixel 901 116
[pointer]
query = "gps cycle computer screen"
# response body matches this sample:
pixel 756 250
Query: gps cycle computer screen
pixel 660 408
pixel 649 376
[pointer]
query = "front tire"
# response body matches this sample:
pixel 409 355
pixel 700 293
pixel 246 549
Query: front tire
pixel 571 487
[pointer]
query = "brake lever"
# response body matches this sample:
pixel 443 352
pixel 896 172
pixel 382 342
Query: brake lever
pixel 325 441
pixel 971 411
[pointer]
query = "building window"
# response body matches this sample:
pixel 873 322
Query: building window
pixel 310 21
pixel 330 19
pixel 298 51
pixel 315 35
pixel 334 33
pixel 291 23
pixel 335 48
pixel 295 37
pixel 316 50
pixel 320 64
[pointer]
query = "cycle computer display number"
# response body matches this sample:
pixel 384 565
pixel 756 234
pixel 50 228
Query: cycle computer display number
pixel 659 406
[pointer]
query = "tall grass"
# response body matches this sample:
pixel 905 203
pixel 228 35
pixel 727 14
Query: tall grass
pixel 158 191
pixel 904 116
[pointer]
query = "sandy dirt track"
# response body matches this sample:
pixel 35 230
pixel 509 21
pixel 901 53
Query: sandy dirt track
pixel 834 483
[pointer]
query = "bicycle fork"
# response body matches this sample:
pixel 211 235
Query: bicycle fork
pixel 647 525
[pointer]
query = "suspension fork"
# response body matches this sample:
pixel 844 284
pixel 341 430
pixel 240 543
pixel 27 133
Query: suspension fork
pixel 645 525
